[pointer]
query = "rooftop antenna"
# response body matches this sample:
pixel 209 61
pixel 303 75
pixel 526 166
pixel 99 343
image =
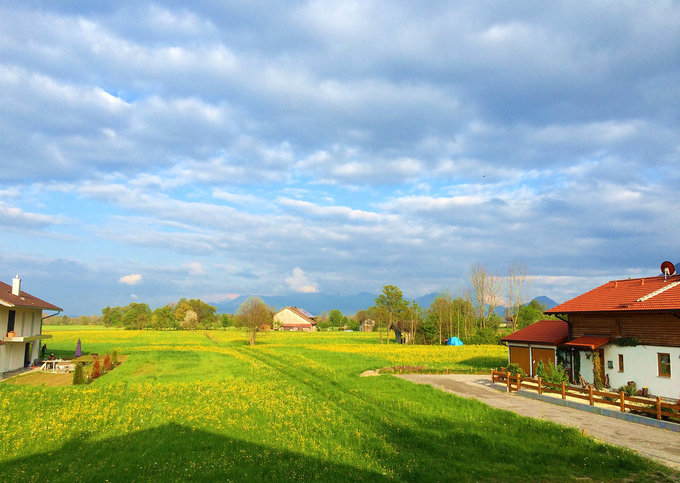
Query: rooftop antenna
pixel 668 269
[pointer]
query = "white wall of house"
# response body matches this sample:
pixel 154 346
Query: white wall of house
pixel 640 364
pixel 27 322
pixel 287 316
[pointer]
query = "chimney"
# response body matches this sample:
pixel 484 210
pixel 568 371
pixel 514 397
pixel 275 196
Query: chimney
pixel 16 285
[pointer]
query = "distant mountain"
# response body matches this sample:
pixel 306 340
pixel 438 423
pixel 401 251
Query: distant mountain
pixel 549 303
pixel 315 303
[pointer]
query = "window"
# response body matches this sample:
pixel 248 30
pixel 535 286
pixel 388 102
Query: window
pixel 10 320
pixel 664 365
pixel 620 362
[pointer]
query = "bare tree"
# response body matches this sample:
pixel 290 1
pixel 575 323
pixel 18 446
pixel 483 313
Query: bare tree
pixel 253 314
pixel 517 285
pixel 486 292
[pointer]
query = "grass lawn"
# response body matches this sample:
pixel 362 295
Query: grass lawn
pixel 203 405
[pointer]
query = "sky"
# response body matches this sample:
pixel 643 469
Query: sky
pixel 157 150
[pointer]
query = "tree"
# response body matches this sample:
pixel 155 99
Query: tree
pixel 530 313
pixel 205 313
pixel 112 316
pixel 252 315
pixel 485 294
pixel 517 283
pixel 335 318
pixel 226 320
pixel 391 306
pixel 442 313
pixel 137 316
pixel 164 318
pixel 185 316
pixel 78 376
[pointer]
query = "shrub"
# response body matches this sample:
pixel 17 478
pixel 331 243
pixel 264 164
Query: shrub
pixel 96 370
pixel 114 358
pixel 106 366
pixel 78 375
pixel 484 335
pixel 554 374
pixel 629 389
pixel 515 369
pixel 597 372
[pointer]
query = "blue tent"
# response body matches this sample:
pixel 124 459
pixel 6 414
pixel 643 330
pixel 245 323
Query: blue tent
pixel 454 341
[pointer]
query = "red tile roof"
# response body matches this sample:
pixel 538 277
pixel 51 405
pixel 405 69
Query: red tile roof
pixel 650 293
pixel 591 342
pixel 552 332
pixel 24 299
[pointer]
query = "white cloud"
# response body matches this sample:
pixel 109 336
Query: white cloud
pixel 300 282
pixel 132 279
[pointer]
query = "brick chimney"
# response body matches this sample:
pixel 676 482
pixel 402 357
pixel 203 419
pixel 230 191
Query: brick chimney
pixel 16 285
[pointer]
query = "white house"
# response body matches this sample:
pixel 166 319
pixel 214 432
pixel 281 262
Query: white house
pixel 294 318
pixel 21 316
pixel 634 326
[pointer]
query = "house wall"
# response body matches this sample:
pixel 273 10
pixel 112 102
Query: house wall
pixel 287 316
pixel 640 364
pixel 661 329
pixel 27 322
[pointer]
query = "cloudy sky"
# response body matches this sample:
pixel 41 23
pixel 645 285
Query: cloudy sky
pixel 151 151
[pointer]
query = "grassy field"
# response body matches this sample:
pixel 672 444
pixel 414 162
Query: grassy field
pixel 205 406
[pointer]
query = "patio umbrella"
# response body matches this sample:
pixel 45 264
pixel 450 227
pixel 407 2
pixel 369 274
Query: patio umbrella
pixel 79 352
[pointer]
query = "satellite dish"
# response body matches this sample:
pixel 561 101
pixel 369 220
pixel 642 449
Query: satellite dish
pixel 667 268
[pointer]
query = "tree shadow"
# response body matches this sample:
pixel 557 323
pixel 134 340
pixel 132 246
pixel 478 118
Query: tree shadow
pixel 174 452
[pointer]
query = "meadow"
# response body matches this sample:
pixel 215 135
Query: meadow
pixel 203 405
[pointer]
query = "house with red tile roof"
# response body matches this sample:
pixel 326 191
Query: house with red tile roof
pixel 634 325
pixel 21 319
pixel 535 343
pixel 294 319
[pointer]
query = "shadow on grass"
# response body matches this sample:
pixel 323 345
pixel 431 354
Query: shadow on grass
pixel 176 453
pixel 484 362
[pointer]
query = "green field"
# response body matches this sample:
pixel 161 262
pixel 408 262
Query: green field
pixel 203 405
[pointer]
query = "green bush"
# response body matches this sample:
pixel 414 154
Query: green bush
pixel 515 369
pixel 114 358
pixel 554 374
pixel 628 389
pixel 78 375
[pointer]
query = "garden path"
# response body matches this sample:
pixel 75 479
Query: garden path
pixel 659 444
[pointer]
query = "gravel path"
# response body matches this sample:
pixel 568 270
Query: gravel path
pixel 659 444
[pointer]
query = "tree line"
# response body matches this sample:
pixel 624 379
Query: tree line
pixel 186 314
pixel 471 316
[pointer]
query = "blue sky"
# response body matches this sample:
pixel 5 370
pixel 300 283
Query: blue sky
pixel 157 150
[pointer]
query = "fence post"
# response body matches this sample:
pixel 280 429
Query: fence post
pixel 590 391
pixel 507 380
pixel 623 402
pixel 519 382
pixel 493 376
pixel 658 407
pixel 540 387
pixel 564 392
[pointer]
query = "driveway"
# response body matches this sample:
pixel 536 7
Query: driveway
pixel 659 444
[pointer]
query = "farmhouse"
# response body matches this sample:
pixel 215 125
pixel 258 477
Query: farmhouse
pixel 535 343
pixel 20 326
pixel 634 325
pixel 295 319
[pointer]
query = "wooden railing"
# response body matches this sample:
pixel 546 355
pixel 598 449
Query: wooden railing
pixel 655 407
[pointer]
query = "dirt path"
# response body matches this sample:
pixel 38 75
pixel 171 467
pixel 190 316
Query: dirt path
pixel 659 444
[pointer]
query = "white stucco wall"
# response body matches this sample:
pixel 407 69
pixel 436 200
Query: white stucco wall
pixel 640 364
pixel 26 323
pixel 287 316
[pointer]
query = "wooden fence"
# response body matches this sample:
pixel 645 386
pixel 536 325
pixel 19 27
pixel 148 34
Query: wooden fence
pixel 653 407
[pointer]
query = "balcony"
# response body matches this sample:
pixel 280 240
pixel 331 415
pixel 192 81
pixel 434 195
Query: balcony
pixel 12 337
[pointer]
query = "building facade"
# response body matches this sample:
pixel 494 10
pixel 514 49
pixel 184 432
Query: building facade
pixel 21 320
